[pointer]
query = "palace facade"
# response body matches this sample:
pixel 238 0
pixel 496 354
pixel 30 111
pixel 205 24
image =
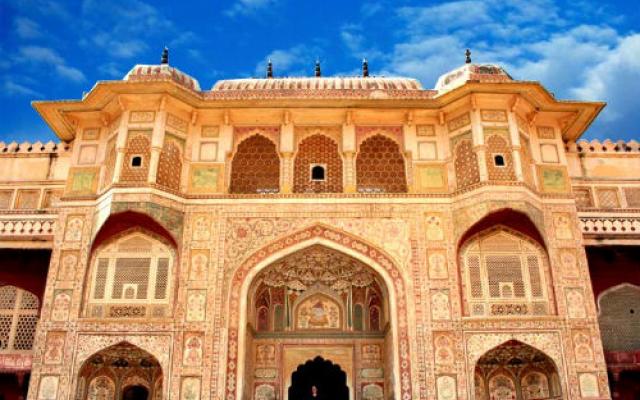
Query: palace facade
pixel 362 235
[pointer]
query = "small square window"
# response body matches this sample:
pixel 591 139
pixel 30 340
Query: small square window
pixel 318 172
pixel 498 160
pixel 136 161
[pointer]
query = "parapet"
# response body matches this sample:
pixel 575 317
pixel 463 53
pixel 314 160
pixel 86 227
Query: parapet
pixel 607 146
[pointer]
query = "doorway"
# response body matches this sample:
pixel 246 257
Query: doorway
pixel 329 380
pixel 135 392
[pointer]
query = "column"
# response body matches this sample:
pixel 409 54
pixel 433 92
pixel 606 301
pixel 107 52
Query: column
pixel 121 143
pixel 514 135
pixel 349 152
pixel 410 150
pixel 157 139
pixel 478 144
pixel 287 144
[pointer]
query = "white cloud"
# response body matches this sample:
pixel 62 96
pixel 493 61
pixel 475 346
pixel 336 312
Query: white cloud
pixel 249 7
pixel 38 55
pixel 70 73
pixel 296 61
pixel 11 88
pixel 27 28
pixel 615 79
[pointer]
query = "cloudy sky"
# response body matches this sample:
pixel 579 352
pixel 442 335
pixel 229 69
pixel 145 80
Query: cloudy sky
pixel 578 49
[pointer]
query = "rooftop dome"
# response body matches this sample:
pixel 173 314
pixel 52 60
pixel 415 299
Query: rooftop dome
pixel 314 83
pixel 161 72
pixel 471 72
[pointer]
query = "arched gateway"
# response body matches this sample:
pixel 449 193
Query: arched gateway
pixel 318 293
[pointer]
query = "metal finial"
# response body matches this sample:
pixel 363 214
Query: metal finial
pixel 365 68
pixel 468 54
pixel 318 73
pixel 165 56
pixel 269 69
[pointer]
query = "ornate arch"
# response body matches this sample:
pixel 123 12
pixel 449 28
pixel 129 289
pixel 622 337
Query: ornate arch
pixel 548 343
pixel 338 240
pixel 255 165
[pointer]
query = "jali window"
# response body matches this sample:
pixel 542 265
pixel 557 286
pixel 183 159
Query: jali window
pixel 131 277
pixel 505 274
pixel 18 319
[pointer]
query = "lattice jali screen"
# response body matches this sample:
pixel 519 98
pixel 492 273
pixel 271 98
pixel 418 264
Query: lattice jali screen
pixel 170 163
pixel 504 274
pixel 128 275
pixel 465 162
pixel 18 319
pixel 380 166
pixel 255 167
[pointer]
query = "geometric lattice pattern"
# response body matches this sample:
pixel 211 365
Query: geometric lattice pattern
pixel 466 164
pixel 608 198
pixel 170 163
pixel 255 167
pixel 503 275
pixel 18 319
pixel 380 166
pixel 138 145
pixel 131 270
pixel 498 145
pixel 317 149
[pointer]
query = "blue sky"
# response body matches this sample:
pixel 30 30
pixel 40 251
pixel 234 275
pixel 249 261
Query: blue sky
pixel 579 49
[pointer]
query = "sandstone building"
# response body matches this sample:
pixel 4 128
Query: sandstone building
pixel 362 235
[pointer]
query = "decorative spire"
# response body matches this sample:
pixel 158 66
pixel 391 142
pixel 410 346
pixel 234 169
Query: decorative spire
pixel 468 54
pixel 365 68
pixel 318 73
pixel 269 69
pixel 165 56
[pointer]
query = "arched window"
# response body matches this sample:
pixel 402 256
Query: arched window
pixel 18 319
pixel 465 162
pixel 135 168
pixel 499 159
pixel 129 275
pixel 380 166
pixel 317 167
pixel 255 167
pixel 170 163
pixel 504 273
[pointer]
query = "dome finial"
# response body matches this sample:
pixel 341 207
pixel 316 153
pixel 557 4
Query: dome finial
pixel 165 56
pixel 318 73
pixel 468 55
pixel 269 69
pixel 365 68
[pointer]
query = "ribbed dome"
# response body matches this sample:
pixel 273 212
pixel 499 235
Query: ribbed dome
pixel 161 72
pixel 471 72
pixel 315 83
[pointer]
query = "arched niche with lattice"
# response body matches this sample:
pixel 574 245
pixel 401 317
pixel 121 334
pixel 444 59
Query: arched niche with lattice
pixel 18 319
pixel 465 161
pixel 380 166
pixel 131 277
pixel 170 163
pixel 318 166
pixel 505 273
pixel 255 167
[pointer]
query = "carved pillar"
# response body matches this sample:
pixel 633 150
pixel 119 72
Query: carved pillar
pixel 157 139
pixel 349 152
pixel 286 176
pixel 121 143
pixel 478 144
pixel 349 172
pixel 410 148
pixel 514 135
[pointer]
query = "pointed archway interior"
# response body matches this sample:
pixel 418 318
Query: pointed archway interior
pixel 397 375
pixel 516 371
pixel 329 380
pixel 119 371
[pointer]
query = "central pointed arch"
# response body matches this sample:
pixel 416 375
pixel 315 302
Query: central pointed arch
pixel 338 240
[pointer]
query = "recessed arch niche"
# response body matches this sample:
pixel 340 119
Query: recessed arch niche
pixel 317 302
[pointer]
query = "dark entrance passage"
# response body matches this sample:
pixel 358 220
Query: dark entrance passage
pixel 135 393
pixel 329 380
